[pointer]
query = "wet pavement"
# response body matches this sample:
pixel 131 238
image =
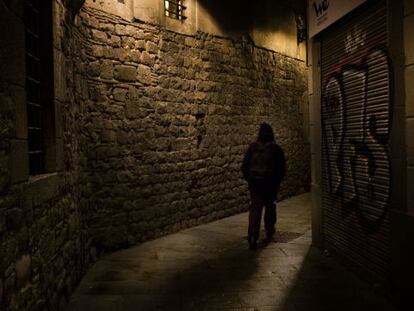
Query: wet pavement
pixel 209 267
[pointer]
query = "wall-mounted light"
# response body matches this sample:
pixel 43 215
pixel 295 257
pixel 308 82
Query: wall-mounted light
pixel 301 30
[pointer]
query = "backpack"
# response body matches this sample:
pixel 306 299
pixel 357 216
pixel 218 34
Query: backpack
pixel 262 162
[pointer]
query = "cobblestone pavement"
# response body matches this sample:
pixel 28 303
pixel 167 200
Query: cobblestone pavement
pixel 209 267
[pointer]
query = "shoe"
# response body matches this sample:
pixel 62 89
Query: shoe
pixel 268 238
pixel 252 243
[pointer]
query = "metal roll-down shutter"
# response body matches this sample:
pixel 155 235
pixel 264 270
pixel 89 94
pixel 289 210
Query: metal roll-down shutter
pixel 356 110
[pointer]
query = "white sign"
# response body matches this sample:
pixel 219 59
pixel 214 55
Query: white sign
pixel 322 13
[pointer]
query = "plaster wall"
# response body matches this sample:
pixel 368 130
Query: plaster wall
pixel 270 24
pixel 123 8
pixel 274 27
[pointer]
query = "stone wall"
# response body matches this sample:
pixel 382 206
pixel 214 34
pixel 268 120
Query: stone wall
pixel 151 127
pixel 168 119
pixel 44 248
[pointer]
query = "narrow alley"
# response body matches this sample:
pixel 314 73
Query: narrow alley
pixel 136 134
pixel 209 267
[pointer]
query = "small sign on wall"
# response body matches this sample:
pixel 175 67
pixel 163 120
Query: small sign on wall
pixel 322 13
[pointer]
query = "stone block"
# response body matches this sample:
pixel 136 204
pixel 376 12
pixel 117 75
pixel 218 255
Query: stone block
pixel 97 50
pixel 128 42
pixel 409 91
pixel 19 161
pixel 3 226
pixel 4 174
pixel 125 73
pixel 9 289
pixel 23 270
pixel 108 52
pixel 107 27
pixel 164 46
pixel 147 59
pixel 144 75
pixel 205 55
pixel 93 22
pixel 107 70
pixel 99 35
pixel 14 219
pixel 151 47
pixel 43 188
pixel 120 30
pixel 119 94
pixel 121 54
pixel 140 45
pixel 410 142
pixel 82 86
pixel 94 69
pixel 408 39
pixel 123 137
pixel 114 41
pixel 135 56
pixel 131 30
pixel 108 136
pixel 139 34
pixel 134 110
pixel 190 42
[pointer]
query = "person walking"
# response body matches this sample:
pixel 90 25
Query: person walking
pixel 263 168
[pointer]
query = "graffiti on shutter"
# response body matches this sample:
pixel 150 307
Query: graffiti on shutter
pixel 356 143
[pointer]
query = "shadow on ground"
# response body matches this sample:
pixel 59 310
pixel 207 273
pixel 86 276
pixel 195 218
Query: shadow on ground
pixel 323 284
pixel 209 267
pixel 196 276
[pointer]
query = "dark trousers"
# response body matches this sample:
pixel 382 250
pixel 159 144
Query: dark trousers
pixel 258 200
